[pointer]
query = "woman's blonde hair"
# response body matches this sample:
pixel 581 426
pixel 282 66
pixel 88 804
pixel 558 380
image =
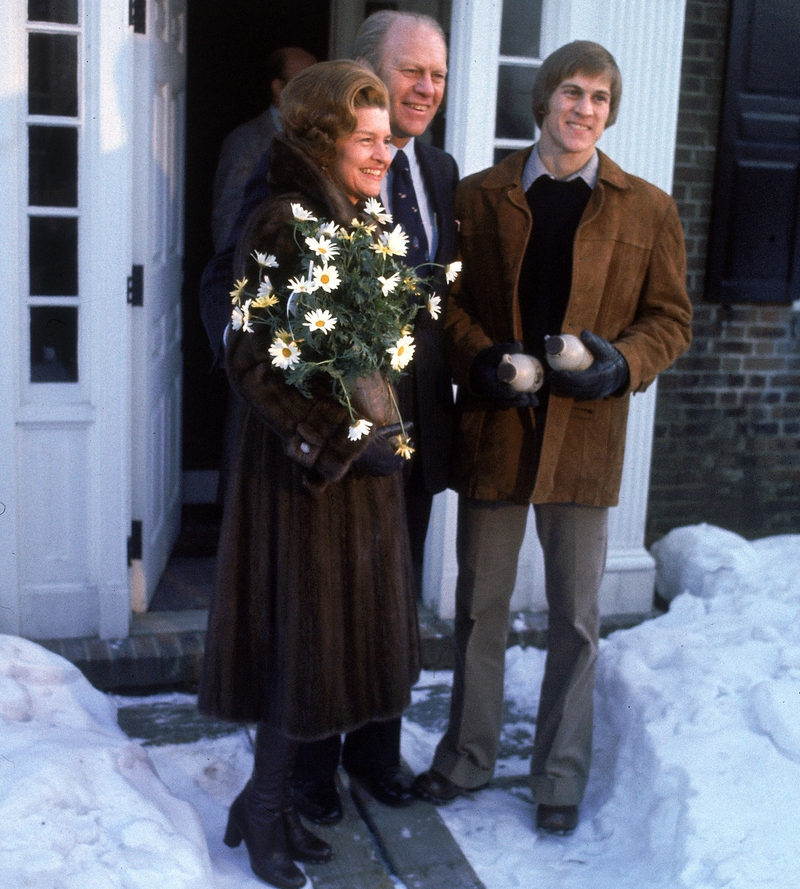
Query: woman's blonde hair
pixel 318 106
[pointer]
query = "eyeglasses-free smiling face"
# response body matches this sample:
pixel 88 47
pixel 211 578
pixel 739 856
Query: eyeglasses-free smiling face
pixel 579 109
pixel 362 157
pixel 414 69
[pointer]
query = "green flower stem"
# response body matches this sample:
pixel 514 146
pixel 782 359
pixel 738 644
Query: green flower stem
pixel 403 433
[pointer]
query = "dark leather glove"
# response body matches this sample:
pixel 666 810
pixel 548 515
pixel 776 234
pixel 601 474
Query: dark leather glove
pixel 483 377
pixel 608 374
pixel 379 457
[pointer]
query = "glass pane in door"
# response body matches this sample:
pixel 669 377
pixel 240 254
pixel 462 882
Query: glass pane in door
pixel 52 166
pixel 521 28
pixel 63 12
pixel 53 74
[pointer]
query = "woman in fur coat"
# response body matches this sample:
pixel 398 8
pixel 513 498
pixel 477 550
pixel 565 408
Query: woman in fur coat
pixel 313 625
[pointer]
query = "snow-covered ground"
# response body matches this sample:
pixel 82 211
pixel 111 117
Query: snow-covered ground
pixel 695 782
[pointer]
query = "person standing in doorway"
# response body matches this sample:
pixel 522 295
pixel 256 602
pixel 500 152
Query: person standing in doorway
pixel 555 238
pixel 243 146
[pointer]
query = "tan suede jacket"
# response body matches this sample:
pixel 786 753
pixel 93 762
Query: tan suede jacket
pixel 628 285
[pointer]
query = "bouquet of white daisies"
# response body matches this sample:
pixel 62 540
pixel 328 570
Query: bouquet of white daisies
pixel 346 313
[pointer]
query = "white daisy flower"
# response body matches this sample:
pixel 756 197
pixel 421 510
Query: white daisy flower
pixel 284 354
pixel 326 277
pixel 435 306
pixel 359 429
pixel 265 260
pixel 393 243
pixel 452 271
pixel 240 317
pixel 320 319
pixel 239 286
pixel 323 247
pixel 328 229
pixel 301 214
pixel 402 352
pixel 375 209
pixel 389 285
pixel 265 288
pixel 302 285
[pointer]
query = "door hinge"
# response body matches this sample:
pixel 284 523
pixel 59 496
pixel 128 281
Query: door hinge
pixel 136 286
pixel 137 10
pixel 135 541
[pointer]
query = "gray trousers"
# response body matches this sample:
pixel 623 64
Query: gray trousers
pixel 574 540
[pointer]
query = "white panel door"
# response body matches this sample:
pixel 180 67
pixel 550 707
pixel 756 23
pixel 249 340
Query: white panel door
pixel 159 89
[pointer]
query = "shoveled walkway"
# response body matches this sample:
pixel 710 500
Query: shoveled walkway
pixel 375 847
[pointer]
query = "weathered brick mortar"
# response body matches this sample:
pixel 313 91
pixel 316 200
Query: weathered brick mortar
pixel 727 431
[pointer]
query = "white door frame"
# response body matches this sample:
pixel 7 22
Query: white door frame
pixel 156 325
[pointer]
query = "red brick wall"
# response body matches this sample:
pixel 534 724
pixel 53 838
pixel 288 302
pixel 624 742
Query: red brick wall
pixel 727 433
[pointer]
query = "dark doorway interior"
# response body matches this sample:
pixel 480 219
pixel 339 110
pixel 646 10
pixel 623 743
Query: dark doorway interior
pixel 227 43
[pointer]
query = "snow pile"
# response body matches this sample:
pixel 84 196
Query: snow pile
pixel 702 710
pixel 696 767
pixel 80 804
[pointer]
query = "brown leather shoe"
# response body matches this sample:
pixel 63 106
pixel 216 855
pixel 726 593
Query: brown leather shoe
pixel 435 788
pixel 561 820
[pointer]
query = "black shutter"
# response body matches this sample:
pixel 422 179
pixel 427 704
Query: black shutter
pixel 754 250
pixel 137 15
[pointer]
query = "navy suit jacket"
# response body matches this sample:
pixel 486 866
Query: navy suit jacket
pixel 432 387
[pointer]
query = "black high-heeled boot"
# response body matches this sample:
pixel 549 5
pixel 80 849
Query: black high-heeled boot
pixel 303 844
pixel 256 815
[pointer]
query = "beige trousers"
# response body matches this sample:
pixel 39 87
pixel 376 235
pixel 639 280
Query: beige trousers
pixel 574 541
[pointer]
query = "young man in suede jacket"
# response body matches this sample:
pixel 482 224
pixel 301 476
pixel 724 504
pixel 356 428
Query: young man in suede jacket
pixel 555 238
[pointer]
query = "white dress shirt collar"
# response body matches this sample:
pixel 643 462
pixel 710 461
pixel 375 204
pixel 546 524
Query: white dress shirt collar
pixel 534 168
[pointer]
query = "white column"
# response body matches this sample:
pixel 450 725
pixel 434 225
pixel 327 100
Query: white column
pixel 472 82
pixel 646 38
pixel 630 574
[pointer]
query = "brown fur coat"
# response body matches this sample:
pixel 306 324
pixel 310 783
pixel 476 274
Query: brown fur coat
pixel 313 626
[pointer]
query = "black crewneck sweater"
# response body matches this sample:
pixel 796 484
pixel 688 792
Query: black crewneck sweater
pixel 546 274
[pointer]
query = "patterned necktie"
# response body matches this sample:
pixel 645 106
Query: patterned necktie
pixel 405 211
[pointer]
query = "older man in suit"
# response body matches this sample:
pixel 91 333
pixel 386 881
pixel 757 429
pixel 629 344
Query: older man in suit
pixel 408 51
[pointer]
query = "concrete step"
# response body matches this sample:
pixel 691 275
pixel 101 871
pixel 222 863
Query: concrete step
pixel 164 650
